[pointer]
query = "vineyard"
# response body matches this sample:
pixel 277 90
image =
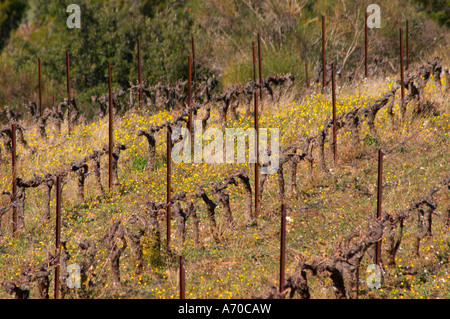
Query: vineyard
pixel 136 224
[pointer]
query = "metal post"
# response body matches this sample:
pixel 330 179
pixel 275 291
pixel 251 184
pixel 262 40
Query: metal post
pixel 40 87
pixel 365 45
pixel 380 183
pixel 190 121
pixel 260 69
pixel 110 131
pixel 333 89
pixel 194 67
pixel 13 177
pixel 282 246
pixel 324 70
pixel 182 279
pixel 57 233
pixel 256 120
pixel 68 90
pixel 254 63
pixel 403 109
pixel 68 76
pixel 168 180
pixel 379 203
pixel 139 71
pixel 307 74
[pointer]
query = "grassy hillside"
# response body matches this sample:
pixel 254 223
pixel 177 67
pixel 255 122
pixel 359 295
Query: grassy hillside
pixel 323 208
pixel 118 237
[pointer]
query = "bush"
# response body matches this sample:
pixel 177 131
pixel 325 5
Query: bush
pixel 109 32
pixel 11 13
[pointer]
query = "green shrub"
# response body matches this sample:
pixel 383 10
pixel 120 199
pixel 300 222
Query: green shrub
pixel 370 140
pixel 109 33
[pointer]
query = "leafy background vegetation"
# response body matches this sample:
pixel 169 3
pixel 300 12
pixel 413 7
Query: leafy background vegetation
pixel 224 31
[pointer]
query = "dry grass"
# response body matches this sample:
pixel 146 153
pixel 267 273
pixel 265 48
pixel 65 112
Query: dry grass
pixel 327 206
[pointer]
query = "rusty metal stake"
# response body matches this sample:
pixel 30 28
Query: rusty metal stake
pixel 333 90
pixel 407 44
pixel 139 71
pixel 254 63
pixel 182 279
pixel 190 120
pixel 260 70
pixel 324 70
pixel 403 109
pixel 365 45
pixel 68 90
pixel 168 179
pixel 40 87
pixel 307 74
pixel 256 120
pixel 68 76
pixel 282 246
pixel 194 67
pixel 57 233
pixel 13 177
pixel 110 131
pixel 379 203
pixel 380 183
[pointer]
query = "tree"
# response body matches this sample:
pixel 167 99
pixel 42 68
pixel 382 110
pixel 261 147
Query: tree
pixel 109 32
pixel 11 13
pixel 439 10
